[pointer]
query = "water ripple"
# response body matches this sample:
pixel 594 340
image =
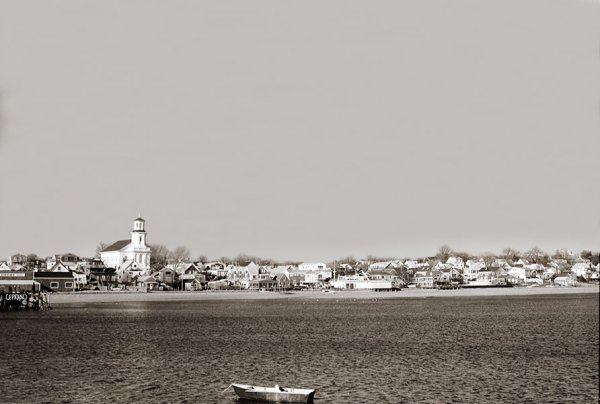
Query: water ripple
pixel 485 350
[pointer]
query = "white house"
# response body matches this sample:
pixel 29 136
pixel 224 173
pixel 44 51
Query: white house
pixel 312 266
pixel 412 264
pixel 456 263
pixel 68 260
pixel 384 265
pixel 59 267
pixel 472 269
pixel 565 279
pixel 519 273
pixel 582 269
pixel 426 278
pixel 80 280
pixel 362 282
pixel 316 277
pixel 132 251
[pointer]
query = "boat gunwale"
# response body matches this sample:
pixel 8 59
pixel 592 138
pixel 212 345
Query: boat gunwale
pixel 291 395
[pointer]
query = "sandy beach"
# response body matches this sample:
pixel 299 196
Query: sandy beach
pixel 120 296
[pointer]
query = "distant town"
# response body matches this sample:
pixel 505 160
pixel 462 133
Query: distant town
pixel 133 265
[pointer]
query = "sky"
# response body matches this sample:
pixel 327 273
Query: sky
pixel 301 130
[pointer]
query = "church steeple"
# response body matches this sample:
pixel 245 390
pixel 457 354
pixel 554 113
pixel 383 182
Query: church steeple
pixel 138 234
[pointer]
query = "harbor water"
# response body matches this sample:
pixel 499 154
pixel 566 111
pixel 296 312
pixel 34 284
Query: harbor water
pixel 475 349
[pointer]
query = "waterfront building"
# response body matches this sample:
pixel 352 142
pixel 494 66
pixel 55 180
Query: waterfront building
pixel 281 274
pixel 103 278
pixel 312 266
pixel 16 259
pixel 456 263
pixel 18 281
pixel 383 265
pixel 316 278
pixel 56 281
pixel 68 260
pixel 582 269
pixel 362 282
pixel 426 278
pixel 565 279
pixel 190 276
pixel 132 253
pixel 472 269
pixel 165 276
pixel 217 269
pixel 146 283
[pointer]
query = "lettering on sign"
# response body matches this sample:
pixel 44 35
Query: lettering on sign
pixel 15 296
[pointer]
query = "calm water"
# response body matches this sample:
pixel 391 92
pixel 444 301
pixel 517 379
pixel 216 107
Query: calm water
pixel 508 349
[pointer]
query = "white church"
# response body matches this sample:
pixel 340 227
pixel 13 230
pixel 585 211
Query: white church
pixel 129 256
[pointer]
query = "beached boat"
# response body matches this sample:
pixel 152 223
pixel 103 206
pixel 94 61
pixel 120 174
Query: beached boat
pixel 273 394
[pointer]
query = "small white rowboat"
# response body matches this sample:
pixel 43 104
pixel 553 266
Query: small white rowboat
pixel 273 394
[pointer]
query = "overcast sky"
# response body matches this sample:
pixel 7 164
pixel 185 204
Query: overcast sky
pixel 302 130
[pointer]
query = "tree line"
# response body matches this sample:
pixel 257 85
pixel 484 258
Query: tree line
pixel 162 255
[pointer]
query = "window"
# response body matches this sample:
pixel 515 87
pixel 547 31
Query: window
pixel 68 284
pixel 54 285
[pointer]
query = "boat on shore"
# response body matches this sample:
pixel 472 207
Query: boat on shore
pixel 273 394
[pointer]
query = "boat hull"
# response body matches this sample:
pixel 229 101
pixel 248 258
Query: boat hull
pixel 273 395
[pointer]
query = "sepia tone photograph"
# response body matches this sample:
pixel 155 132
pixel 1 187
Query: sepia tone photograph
pixel 299 202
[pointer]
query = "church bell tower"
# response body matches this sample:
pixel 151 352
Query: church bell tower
pixel 138 234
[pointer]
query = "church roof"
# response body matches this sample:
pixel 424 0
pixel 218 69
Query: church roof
pixel 139 219
pixel 117 246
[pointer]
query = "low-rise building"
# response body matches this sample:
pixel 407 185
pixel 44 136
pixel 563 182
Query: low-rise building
pixel 16 259
pixel 190 277
pixel 56 281
pixel 166 276
pixel 16 281
pixel 426 279
pixel 472 269
pixel 312 266
pixel 582 269
pixel 146 283
pixel 565 279
pixel 103 278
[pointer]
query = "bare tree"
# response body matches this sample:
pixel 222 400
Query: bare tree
pixel 350 260
pixel 563 254
pixel 100 247
pixel 159 255
pixel 243 259
pixel 510 254
pixel 593 257
pixel 464 255
pixel 444 252
pixel 374 258
pixel 32 257
pixel 202 258
pixel 294 263
pixel 179 254
pixel 488 258
pixel 536 255
pixel 225 260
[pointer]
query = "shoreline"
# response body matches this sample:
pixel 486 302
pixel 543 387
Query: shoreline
pixel 407 293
